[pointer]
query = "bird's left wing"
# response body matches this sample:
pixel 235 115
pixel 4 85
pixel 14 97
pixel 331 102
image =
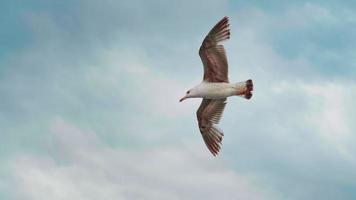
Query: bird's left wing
pixel 213 54
pixel 208 115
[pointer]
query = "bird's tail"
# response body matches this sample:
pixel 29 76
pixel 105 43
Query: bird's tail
pixel 244 89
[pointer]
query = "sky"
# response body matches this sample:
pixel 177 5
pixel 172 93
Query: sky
pixel 89 100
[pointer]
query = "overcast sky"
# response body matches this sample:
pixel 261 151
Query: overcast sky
pixel 89 96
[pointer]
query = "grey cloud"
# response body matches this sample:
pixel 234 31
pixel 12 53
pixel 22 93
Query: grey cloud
pixel 314 38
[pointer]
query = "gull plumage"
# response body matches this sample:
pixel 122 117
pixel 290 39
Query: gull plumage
pixel 215 87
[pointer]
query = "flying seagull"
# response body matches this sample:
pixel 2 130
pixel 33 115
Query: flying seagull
pixel 215 87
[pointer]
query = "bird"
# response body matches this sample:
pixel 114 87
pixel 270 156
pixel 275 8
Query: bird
pixel 215 87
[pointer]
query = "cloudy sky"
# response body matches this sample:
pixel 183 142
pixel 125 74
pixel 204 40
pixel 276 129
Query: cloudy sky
pixel 89 96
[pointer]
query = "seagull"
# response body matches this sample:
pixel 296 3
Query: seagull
pixel 215 87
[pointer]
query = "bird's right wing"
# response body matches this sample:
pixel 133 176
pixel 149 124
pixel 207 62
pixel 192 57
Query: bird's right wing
pixel 213 55
pixel 208 115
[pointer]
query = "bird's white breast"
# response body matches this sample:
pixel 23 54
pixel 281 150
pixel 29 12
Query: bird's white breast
pixel 216 90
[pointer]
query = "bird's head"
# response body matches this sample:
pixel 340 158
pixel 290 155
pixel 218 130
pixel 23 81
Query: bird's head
pixel 189 94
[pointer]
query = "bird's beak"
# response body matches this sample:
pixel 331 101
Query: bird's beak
pixel 182 99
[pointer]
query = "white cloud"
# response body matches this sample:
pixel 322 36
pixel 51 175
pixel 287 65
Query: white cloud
pixel 295 137
pixel 329 114
pixel 327 109
pixel 88 170
pixel 152 90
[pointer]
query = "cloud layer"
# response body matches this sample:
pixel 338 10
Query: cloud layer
pixel 86 169
pixel 89 101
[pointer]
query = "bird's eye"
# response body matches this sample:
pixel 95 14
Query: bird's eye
pixel 188 92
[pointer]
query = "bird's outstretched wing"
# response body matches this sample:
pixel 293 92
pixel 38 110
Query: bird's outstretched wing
pixel 209 115
pixel 213 54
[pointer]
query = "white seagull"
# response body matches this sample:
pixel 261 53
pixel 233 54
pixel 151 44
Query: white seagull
pixel 215 87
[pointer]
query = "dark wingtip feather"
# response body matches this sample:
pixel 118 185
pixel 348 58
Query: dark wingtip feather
pixel 249 88
pixel 213 139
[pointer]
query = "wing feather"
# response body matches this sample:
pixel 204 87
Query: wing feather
pixel 209 114
pixel 213 55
